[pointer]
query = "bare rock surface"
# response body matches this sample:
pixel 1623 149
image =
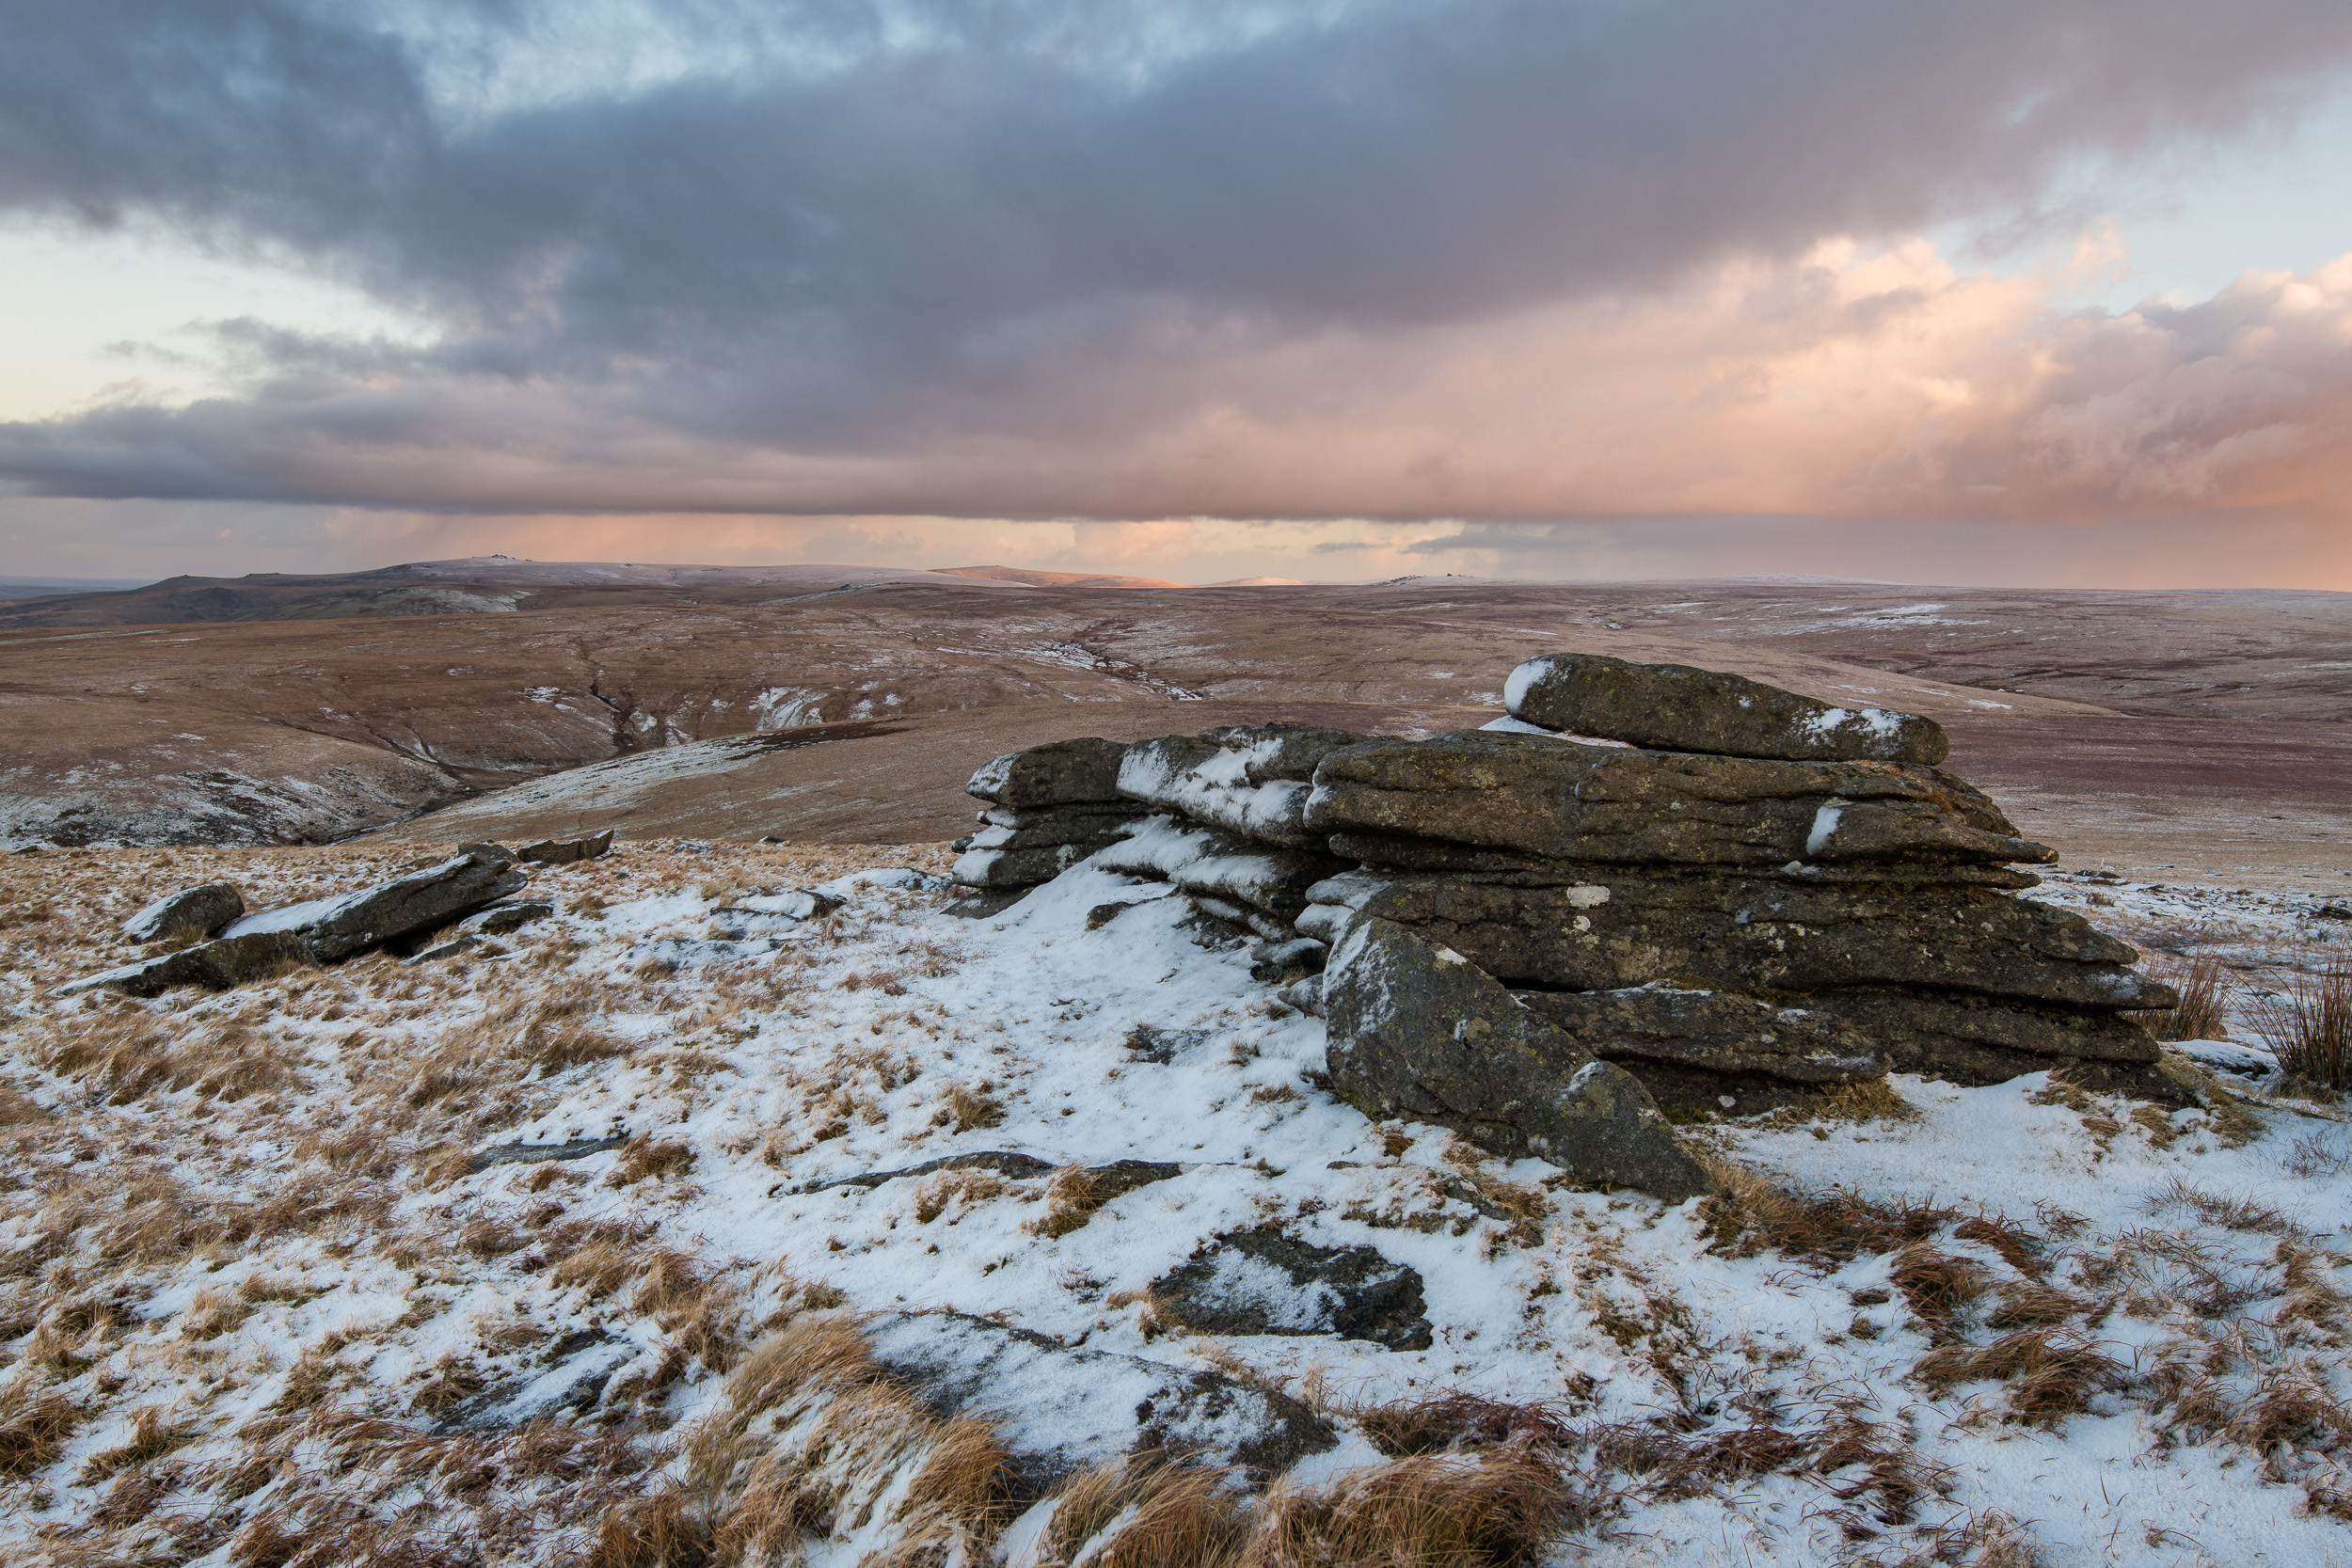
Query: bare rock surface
pixel 1250 779
pixel 1633 926
pixel 196 911
pixel 564 851
pixel 1719 1031
pixel 1674 707
pixel 215 965
pixel 1062 1408
pixel 1571 801
pixel 1263 1281
pixel 1059 773
pixel 1218 863
pixel 1417 1031
pixel 340 927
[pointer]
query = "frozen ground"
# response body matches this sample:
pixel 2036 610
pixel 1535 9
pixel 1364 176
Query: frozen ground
pixel 261 1306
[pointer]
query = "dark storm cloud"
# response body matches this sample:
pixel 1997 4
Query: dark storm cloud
pixel 840 232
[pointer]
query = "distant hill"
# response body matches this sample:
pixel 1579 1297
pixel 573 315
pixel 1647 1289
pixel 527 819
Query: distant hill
pixel 476 585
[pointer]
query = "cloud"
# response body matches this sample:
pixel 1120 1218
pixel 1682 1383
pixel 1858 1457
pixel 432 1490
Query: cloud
pixel 1507 258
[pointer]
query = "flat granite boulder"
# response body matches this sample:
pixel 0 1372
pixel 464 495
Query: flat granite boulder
pixel 1055 774
pixel 215 965
pixel 1023 847
pixel 1529 795
pixel 1417 1031
pixel 197 911
pixel 1632 926
pixel 1059 1409
pixel 1252 778
pixel 337 928
pixel 1214 863
pixel 1719 1031
pixel 1675 707
pixel 1018 868
pixel 1262 1281
pixel 564 851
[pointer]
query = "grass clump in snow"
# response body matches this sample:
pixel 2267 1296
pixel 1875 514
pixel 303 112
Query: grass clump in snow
pixel 2310 1026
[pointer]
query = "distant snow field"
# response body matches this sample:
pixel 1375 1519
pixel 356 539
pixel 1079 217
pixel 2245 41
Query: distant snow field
pixel 584 1247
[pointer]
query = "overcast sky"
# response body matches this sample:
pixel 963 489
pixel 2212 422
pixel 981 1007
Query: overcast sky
pixel 2017 291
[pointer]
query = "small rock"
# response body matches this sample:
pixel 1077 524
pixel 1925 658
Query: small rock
pixel 457 947
pixel 1055 775
pixel 1263 1282
pixel 1417 1031
pixel 1278 961
pixel 1675 707
pixel 1148 1043
pixel 499 919
pixel 1002 1161
pixel 1059 1409
pixel 532 1154
pixel 197 911
pixel 564 851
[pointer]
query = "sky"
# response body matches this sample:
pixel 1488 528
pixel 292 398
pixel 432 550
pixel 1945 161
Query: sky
pixel 2012 293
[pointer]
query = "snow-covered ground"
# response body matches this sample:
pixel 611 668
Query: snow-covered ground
pixel 259 1299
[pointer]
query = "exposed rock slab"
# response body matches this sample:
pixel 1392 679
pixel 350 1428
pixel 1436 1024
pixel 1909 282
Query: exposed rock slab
pixel 215 965
pixel 1561 800
pixel 1024 846
pixel 1090 822
pixel 532 1154
pixel 1675 707
pixel 1053 774
pixel 1220 865
pixel 579 1366
pixel 564 851
pixel 1632 926
pixel 1252 779
pixel 1719 1031
pixel 1979 1039
pixel 1402 852
pixel 1416 1031
pixel 1018 868
pixel 1060 1409
pixel 1262 1281
pixel 196 911
pixel 337 928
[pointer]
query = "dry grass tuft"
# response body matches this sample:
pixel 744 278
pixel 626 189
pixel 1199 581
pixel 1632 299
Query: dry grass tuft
pixel 1459 1422
pixel 810 1441
pixel 2204 983
pixel 2310 1026
pixel 1499 1510
pixel 966 1108
pixel 151 1438
pixel 2052 1372
pixel 641 1157
pixel 944 1190
pixel 1145 1515
pixel 1071 1199
pixel 1747 1215
pixel 35 1426
pixel 1937 1285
